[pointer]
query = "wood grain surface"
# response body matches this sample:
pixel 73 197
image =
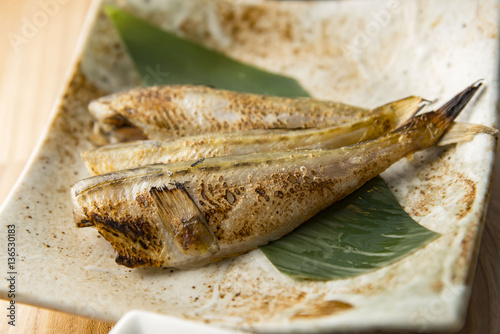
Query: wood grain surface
pixel 32 72
pixel 38 39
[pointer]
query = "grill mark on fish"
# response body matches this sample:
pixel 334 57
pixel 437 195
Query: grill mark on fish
pixel 199 161
pixel 135 239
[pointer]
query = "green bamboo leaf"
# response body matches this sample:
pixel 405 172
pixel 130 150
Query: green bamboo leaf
pixel 366 231
pixel 162 58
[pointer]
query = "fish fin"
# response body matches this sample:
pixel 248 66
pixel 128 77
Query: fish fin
pixel 184 221
pixel 463 132
pixel 404 109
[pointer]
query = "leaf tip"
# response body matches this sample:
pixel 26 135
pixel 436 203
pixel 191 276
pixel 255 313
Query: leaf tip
pixel 111 10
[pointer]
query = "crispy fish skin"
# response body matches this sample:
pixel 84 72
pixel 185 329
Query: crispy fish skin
pixel 127 155
pixel 165 112
pixel 247 200
pixel 114 157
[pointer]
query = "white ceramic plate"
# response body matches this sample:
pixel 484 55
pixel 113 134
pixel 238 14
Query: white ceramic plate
pixel 361 52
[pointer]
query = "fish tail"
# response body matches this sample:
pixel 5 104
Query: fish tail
pixel 430 127
pixel 452 108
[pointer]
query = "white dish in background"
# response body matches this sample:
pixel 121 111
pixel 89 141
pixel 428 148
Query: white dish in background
pixel 140 322
pixel 358 52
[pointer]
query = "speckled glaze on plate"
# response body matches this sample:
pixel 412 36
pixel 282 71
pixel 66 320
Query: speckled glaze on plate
pixel 361 52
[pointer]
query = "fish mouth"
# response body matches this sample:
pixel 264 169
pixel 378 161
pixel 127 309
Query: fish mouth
pixel 108 119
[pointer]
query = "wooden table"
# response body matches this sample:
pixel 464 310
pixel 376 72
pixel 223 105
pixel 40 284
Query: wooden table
pixel 32 71
pixel 33 65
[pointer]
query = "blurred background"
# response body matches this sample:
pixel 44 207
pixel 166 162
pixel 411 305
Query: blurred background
pixel 38 39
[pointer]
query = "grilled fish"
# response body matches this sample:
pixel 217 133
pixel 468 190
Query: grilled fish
pixel 114 157
pixel 165 112
pixel 186 214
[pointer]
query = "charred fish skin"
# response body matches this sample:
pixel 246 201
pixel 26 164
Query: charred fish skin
pixel 127 155
pixel 247 200
pixel 164 112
